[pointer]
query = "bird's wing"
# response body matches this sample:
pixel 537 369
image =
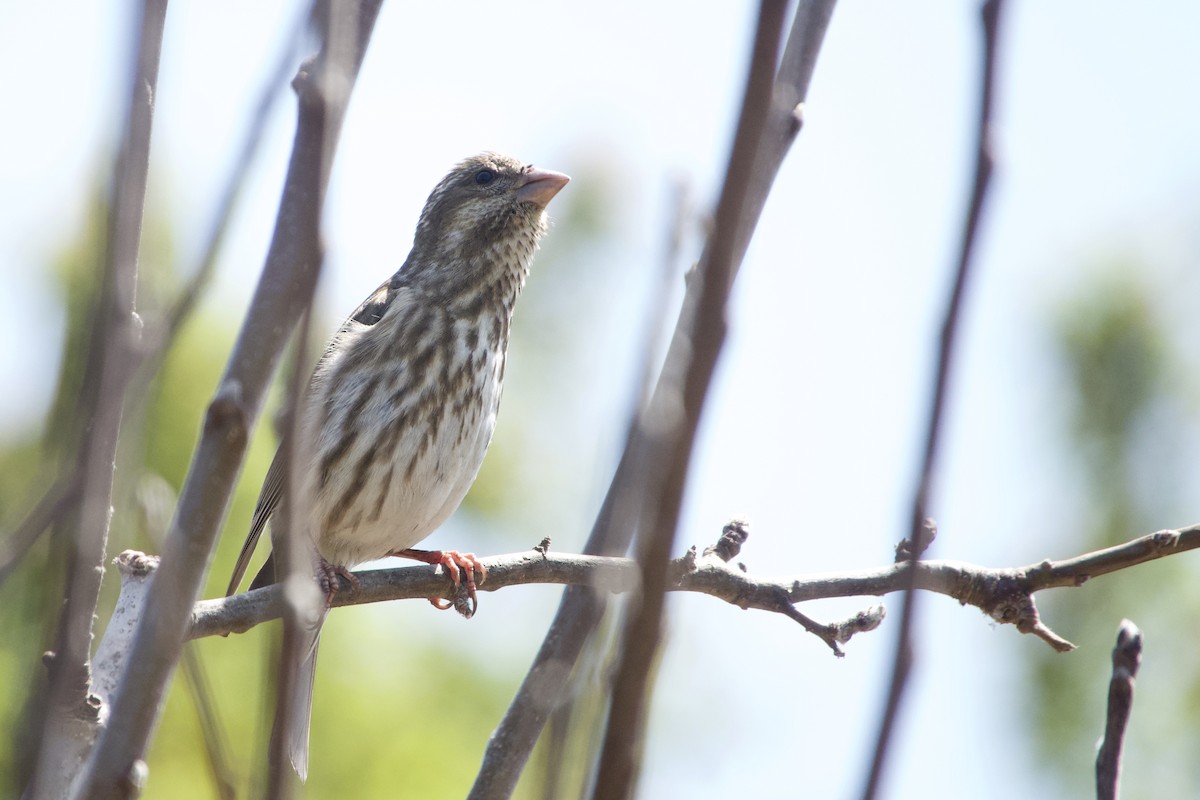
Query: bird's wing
pixel 372 309
pixel 268 501
pixel 369 313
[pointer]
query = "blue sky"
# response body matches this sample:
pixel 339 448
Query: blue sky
pixel 820 395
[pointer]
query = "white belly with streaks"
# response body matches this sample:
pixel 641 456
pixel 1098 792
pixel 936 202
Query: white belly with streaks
pixel 425 486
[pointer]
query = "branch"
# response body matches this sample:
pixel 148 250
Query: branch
pixel 158 338
pixel 1126 658
pixel 285 289
pixel 58 498
pixel 674 416
pixel 546 685
pixel 1003 594
pixel 162 336
pixel 71 713
pixel 136 570
pixel 786 116
pixel 241 612
pixel 983 171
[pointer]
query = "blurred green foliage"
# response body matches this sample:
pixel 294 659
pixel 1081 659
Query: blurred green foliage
pixel 1126 412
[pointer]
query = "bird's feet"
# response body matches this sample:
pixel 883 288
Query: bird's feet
pixel 460 566
pixel 327 578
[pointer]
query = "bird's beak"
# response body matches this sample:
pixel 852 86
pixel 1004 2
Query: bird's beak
pixel 538 186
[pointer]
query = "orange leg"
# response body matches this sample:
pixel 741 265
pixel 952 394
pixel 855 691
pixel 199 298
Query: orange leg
pixel 455 564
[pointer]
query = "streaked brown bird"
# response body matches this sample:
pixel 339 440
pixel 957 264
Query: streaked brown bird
pixel 401 407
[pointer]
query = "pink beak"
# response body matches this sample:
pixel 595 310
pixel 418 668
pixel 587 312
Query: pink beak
pixel 538 186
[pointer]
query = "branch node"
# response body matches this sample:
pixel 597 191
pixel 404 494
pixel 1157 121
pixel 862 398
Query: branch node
pixel 1127 655
pixel 797 120
pixel 866 620
pixel 826 633
pixel 979 590
pixel 135 779
pixel 1164 540
pixel 907 551
pixel 733 536
pixel 542 547
pixel 1007 598
pixel 686 564
pixel 135 563
pixel 1022 611
pixel 227 414
pixel 303 84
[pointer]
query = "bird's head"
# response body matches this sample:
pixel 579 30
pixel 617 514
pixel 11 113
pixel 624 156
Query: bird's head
pixel 488 207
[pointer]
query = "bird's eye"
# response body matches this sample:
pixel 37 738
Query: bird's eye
pixel 484 177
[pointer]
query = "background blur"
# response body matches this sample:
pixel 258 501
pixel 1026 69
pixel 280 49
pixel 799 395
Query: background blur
pixel 1073 414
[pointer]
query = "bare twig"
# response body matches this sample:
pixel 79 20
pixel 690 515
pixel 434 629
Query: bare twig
pixel 285 288
pixel 155 501
pixel 675 411
pixel 46 513
pixel 71 710
pixel 136 571
pixel 786 116
pixel 241 612
pixel 215 744
pixel 160 337
pixel 1126 658
pixel 654 324
pixel 983 170
pixel 657 314
pixel 1003 594
pixel 545 686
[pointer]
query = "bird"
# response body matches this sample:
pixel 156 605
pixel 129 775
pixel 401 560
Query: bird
pixel 400 408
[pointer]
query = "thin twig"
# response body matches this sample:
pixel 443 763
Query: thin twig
pixel 155 500
pixel 200 688
pixel 71 711
pixel 545 685
pixel 653 326
pixel 285 288
pixel 1126 658
pixel 903 660
pixel 655 322
pixel 161 337
pixel 1003 594
pixel 157 339
pixel 41 517
pixel 684 382
pixel 796 70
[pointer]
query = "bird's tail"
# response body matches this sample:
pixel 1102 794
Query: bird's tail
pixel 300 699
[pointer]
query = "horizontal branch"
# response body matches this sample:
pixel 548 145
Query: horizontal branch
pixel 241 612
pixel 1005 594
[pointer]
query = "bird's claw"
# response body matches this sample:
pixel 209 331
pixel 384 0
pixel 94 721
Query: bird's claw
pixel 327 579
pixel 461 567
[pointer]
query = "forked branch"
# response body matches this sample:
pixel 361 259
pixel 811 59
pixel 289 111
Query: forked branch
pixel 1006 595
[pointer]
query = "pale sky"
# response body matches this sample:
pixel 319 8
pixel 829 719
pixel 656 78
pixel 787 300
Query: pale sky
pixel 821 393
